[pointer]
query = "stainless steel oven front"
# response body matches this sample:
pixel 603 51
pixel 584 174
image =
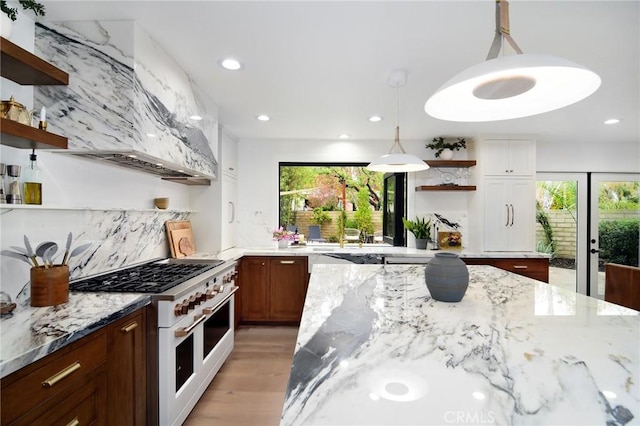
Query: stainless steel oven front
pixel 195 337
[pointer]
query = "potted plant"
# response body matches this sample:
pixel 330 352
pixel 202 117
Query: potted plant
pixel 10 14
pixel 420 228
pixel 283 237
pixel 444 149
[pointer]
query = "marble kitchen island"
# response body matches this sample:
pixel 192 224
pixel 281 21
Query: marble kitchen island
pixel 375 349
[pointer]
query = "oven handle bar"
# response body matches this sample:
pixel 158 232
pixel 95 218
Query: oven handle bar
pixel 209 311
pixel 184 331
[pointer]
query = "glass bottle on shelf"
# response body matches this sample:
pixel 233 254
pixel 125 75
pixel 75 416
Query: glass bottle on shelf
pixel 14 194
pixel 32 181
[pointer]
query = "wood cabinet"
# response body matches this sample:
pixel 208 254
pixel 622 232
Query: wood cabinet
pixel 126 352
pixel 99 380
pixel 66 387
pixel 536 268
pixel 510 206
pixel 273 288
pixel 25 68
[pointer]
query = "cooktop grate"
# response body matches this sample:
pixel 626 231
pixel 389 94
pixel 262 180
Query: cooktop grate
pixel 145 278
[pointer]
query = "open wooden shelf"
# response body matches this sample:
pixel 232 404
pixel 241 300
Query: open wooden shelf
pixel 19 135
pixel 446 188
pixel 451 163
pixel 25 68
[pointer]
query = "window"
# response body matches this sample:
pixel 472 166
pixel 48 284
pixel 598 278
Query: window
pixel 335 196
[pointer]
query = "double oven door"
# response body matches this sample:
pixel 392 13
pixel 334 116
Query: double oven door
pixel 190 354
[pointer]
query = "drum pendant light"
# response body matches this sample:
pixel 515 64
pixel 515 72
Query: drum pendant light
pixel 397 160
pixel 511 86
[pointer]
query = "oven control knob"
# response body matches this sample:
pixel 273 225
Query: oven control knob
pixel 210 293
pixel 218 288
pixel 192 302
pixel 202 297
pixel 177 310
pixel 185 307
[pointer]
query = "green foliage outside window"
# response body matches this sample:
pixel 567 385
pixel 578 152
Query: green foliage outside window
pixel 618 241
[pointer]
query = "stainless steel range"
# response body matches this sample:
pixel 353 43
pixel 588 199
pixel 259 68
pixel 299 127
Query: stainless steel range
pixel 194 301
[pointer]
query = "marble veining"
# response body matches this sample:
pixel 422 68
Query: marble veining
pixel 125 93
pixel 375 349
pixel 29 334
pixel 118 238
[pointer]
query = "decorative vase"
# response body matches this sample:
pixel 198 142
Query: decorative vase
pixel 446 154
pixel 447 277
pixel 283 244
pixel 421 243
pixel 6 25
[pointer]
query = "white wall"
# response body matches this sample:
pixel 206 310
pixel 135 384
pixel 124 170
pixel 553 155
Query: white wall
pixel 258 174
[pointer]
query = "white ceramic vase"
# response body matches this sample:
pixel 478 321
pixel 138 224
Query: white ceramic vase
pixel 446 154
pixel 283 244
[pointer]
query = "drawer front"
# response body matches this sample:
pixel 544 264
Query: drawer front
pixel 537 269
pixel 85 404
pixel 52 375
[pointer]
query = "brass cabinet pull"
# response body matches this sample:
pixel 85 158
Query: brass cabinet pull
pixel 184 331
pixel 74 422
pixel 129 327
pixel 61 375
pixel 519 266
pixel 287 262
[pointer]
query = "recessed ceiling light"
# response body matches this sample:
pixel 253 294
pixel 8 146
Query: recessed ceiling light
pixel 263 117
pixel 612 121
pixel 231 64
pixel 151 135
pixel 375 118
pixel 344 136
pixel 159 164
pixel 132 156
pixel 196 117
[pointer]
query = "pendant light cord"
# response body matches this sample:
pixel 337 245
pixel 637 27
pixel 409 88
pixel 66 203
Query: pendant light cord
pixel 503 32
pixel 397 146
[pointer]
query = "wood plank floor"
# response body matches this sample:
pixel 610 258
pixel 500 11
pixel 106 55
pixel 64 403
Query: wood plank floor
pixel 249 389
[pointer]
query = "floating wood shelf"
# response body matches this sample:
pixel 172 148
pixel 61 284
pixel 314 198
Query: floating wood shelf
pixel 25 68
pixel 19 135
pixel 446 188
pixel 451 163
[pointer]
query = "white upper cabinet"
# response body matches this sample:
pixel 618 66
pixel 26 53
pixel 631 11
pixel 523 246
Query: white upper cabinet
pixel 508 157
pixel 229 154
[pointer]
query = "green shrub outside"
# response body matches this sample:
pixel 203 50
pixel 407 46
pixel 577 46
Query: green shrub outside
pixel 619 241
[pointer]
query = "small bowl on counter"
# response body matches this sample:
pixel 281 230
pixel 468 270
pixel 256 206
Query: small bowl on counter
pixel 161 203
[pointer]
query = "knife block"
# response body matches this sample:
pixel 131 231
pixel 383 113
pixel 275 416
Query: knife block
pixel 49 286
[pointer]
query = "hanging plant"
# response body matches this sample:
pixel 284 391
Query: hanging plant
pixel 12 12
pixel 440 144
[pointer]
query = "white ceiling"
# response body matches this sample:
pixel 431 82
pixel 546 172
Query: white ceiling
pixel 320 68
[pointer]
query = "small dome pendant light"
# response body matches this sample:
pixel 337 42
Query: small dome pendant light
pixel 511 86
pixel 397 160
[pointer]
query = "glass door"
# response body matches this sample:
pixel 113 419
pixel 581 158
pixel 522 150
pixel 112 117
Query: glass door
pixel 561 227
pixel 614 223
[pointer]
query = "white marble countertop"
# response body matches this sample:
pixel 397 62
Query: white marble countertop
pixel 29 333
pixel 375 349
pixel 353 249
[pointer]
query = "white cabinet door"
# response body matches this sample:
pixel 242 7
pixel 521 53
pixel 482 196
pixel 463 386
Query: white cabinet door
pixel 509 215
pixel 513 157
pixel 229 154
pixel 229 212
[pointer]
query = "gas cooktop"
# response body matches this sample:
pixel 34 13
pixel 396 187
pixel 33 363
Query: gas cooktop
pixel 152 277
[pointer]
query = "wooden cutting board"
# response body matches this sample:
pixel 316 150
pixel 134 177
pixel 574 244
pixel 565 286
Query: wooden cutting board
pixel 180 236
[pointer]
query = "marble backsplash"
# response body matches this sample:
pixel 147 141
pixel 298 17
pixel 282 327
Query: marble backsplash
pixel 118 238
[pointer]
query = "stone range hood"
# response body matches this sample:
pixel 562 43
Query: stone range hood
pixel 128 103
pixel 146 163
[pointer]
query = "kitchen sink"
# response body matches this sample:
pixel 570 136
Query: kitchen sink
pixel 323 249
